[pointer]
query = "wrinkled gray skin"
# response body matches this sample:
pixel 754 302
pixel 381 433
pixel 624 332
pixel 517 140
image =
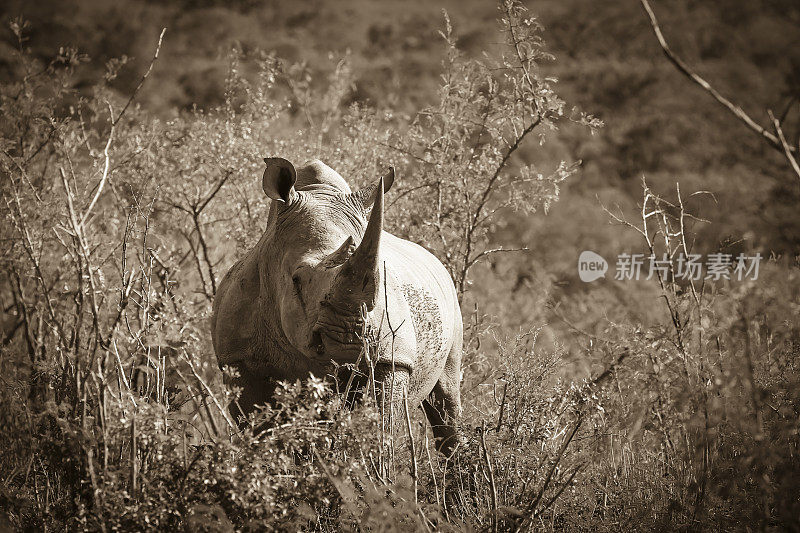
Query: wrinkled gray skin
pixel 294 303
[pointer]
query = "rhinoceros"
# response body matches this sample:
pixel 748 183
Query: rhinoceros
pixel 320 279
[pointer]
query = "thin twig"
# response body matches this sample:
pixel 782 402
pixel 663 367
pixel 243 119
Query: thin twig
pixel 485 198
pixel 488 462
pixel 106 164
pixel 412 447
pixel 560 490
pixel 208 390
pixel 143 78
pixel 493 251
pixel 787 149
pixel 533 508
pixel 134 471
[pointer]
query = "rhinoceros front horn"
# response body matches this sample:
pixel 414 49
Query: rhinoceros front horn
pixel 358 280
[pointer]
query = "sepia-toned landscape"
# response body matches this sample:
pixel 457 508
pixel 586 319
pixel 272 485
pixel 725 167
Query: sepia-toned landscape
pixel 611 188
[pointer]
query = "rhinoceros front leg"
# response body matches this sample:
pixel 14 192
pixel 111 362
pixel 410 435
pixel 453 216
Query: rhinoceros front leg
pixel 443 406
pixel 255 391
pixel 392 389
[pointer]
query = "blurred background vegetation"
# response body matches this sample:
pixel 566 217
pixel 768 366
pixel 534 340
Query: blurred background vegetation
pixel 656 124
pixel 608 63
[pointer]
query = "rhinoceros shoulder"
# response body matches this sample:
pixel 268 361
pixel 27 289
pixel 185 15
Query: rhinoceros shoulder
pixel 232 321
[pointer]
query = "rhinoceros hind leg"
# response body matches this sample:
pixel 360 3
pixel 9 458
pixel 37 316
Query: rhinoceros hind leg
pixel 443 406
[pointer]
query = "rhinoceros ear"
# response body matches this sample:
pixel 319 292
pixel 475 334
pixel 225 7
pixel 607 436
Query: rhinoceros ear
pixel 279 179
pixel 367 195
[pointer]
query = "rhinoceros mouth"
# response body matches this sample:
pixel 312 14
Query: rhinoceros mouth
pixel 338 334
pixel 340 345
pixel 345 348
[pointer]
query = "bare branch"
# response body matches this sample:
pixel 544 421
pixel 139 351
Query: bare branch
pixel 493 251
pixel 692 75
pixel 204 248
pixel 787 149
pixel 487 192
pixel 104 178
pixel 213 192
pixel 488 462
pixel 141 81
pixel 208 390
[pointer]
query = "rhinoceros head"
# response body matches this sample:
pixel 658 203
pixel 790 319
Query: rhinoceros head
pixel 324 263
